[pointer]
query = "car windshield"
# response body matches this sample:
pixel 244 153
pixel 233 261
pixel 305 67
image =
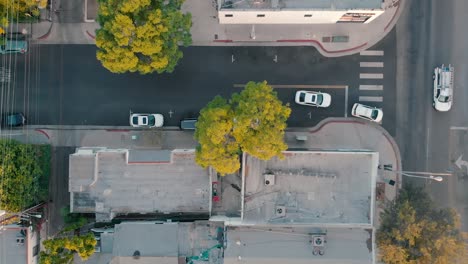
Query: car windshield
pixel 302 97
pixel 151 120
pixel 444 99
pixel 374 114
pixel 319 99
pixel 135 120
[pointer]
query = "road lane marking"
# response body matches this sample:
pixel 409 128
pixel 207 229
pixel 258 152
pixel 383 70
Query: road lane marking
pixel 371 64
pixel 458 128
pixel 371 75
pixel 364 87
pixel 371 98
pixel 299 86
pixel 372 53
pixel 346 103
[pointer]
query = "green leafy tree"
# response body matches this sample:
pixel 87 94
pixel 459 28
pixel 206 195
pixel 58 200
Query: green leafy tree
pixel 62 250
pixel 413 231
pixel 252 121
pixel 21 174
pixel 141 35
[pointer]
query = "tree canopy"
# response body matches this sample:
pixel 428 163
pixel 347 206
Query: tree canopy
pixel 62 250
pixel 252 121
pixel 141 35
pixel 414 231
pixel 17 10
pixel 22 171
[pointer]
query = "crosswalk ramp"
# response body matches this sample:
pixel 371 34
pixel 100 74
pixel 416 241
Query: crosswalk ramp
pixel 371 76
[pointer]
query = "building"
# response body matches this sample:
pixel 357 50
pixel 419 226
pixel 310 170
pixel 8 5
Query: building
pixel 310 207
pixel 158 243
pixel 18 244
pixel 298 11
pixel 148 183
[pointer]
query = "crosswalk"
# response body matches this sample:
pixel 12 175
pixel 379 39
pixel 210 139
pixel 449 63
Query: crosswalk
pixel 371 77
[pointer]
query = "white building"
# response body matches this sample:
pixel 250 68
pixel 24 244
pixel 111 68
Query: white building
pixel 298 11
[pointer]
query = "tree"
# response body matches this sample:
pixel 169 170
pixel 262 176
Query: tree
pixel 218 147
pixel 62 250
pixel 21 174
pixel 260 121
pixel 141 35
pixel 253 121
pixel 17 10
pixel 413 231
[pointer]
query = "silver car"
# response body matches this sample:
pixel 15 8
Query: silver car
pixel 146 120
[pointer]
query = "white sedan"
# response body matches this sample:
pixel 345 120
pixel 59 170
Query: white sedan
pixel 367 112
pixel 146 120
pixel 310 98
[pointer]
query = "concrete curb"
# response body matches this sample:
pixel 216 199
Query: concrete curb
pixel 46 35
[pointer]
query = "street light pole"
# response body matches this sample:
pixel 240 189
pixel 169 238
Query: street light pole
pixel 417 174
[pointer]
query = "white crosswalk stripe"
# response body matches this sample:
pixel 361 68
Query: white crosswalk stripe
pixel 367 64
pixel 364 87
pixel 371 75
pixel 370 98
pixel 372 53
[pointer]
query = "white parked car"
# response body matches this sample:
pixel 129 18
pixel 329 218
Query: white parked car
pixel 443 88
pixel 367 112
pixel 310 98
pixel 146 120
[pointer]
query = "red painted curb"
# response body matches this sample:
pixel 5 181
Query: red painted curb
pixel 150 162
pixel 223 40
pixel 46 35
pixel 43 132
pixel 321 46
pixel 90 35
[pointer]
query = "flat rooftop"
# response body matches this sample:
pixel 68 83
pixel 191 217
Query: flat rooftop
pixel 111 182
pixel 252 245
pixel 328 5
pixel 10 250
pixel 310 187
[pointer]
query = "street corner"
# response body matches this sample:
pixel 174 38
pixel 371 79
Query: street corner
pixel 458 152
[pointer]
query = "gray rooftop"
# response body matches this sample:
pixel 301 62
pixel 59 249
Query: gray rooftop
pixel 149 238
pixel 311 187
pixel 328 5
pixel 10 250
pixel 106 183
pixel 249 245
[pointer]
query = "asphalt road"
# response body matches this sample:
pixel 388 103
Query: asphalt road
pixel 66 85
pixel 431 33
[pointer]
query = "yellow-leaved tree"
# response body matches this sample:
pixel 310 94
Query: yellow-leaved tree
pixel 18 10
pixel 413 231
pixel 252 121
pixel 141 35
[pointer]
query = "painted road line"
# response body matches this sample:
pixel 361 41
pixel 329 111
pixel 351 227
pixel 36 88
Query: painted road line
pixel 346 103
pixel 371 64
pixel 371 75
pixel 372 53
pixel 299 86
pixel 364 87
pixel 371 98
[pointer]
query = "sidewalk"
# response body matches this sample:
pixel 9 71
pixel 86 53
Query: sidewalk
pixel 329 134
pixel 206 30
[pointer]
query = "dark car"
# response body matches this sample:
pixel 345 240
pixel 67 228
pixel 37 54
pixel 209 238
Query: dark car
pixel 188 124
pixel 13 119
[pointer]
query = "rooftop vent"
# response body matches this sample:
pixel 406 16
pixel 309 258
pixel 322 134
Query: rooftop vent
pixel 269 179
pixel 280 211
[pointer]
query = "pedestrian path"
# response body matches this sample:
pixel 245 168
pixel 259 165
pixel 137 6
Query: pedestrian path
pixel 371 77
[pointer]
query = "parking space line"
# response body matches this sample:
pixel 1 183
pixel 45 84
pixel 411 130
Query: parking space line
pixel 299 86
pixel 364 87
pixel 371 75
pixel 372 53
pixel 371 64
pixel 371 98
pixel 346 102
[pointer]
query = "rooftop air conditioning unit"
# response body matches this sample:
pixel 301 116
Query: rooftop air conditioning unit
pixel 269 179
pixel 280 211
pixel 20 240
